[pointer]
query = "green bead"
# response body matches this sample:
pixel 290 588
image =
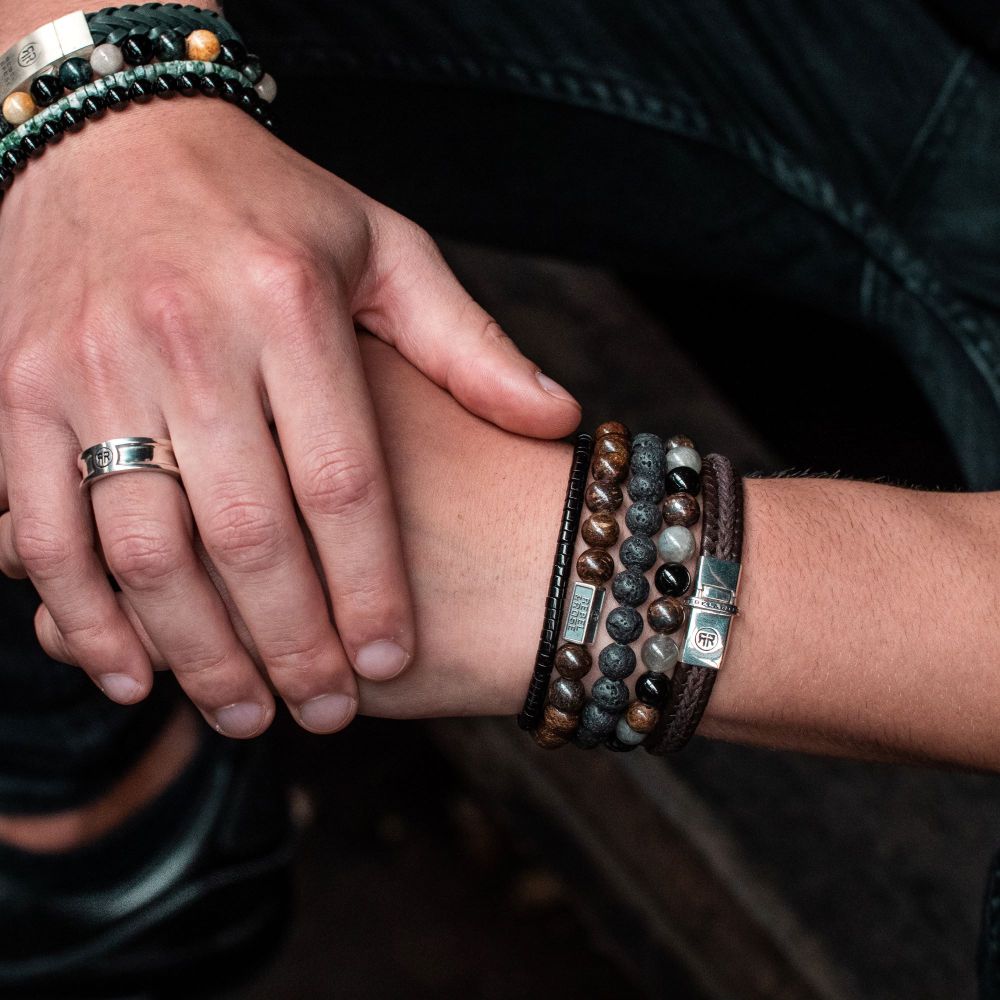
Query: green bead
pixel 75 72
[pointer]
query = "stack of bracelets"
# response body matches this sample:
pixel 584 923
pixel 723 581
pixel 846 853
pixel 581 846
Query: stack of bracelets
pixel 73 69
pixel 689 614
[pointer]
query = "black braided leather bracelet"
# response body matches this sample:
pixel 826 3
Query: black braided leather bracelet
pixel 114 24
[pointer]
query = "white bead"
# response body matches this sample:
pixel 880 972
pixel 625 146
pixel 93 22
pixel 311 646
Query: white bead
pixel 106 59
pixel 266 88
pixel 675 544
pixel 659 654
pixel 627 734
pixel 684 456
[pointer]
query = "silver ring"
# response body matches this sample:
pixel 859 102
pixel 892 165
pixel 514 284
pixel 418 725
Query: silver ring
pixel 129 454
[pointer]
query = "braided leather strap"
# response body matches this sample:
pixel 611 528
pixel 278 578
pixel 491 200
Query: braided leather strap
pixel 722 537
pixel 113 24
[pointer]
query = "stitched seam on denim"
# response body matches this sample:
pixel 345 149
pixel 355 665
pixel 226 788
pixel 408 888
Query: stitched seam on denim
pixel 638 104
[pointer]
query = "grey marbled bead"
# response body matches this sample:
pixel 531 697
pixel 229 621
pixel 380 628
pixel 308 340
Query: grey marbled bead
pixel 642 486
pixel 647 440
pixel 567 695
pixel 624 625
pixel 627 734
pixel 659 654
pixel 106 58
pixel 586 739
pixel 676 544
pixel 596 719
pixel 609 694
pixel 649 462
pixel 638 552
pixel 266 88
pixel 684 456
pixel 643 518
pixel 630 587
pixel 617 661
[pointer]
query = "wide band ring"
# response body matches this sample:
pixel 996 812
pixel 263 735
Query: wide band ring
pixel 128 454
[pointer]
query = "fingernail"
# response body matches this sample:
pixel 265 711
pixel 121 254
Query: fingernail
pixel 553 388
pixel 241 721
pixel 327 713
pixel 120 688
pixel 381 660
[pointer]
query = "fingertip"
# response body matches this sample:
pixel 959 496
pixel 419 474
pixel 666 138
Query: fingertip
pixel 329 713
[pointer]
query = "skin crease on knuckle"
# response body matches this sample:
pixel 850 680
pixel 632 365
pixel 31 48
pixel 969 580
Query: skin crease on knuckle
pixel 243 532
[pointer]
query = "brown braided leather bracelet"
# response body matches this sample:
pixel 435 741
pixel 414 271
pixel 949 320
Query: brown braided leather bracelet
pixel 712 606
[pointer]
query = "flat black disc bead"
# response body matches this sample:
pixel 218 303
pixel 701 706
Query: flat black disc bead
pixel 52 130
pixel 683 480
pixel 653 689
pixel 209 84
pixel 46 89
pixel 253 68
pixel 14 160
pixel 229 90
pixel 93 107
pixel 187 84
pixel 638 552
pixel 672 580
pixel 624 625
pixel 643 518
pixel 32 146
pixel 170 45
pixel 140 91
pixel 165 85
pixel 137 50
pixel 616 661
pixel 232 52
pixel 117 97
pixel 75 72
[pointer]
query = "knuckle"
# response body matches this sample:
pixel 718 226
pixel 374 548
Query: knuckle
pixel 143 558
pixel 288 276
pixel 202 664
pixel 170 315
pixel 41 548
pixel 295 658
pixel 244 533
pixel 92 639
pixel 25 377
pixel 337 481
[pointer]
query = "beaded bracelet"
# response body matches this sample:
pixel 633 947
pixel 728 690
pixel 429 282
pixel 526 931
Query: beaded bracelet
pixel 138 84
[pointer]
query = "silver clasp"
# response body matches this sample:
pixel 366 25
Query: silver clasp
pixel 713 606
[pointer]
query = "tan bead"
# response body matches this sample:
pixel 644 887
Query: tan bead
pixel 595 566
pixel 19 107
pixel 203 44
pixel 642 718
pixel 610 468
pixel 611 427
pixel 560 721
pixel 547 738
pixel 600 529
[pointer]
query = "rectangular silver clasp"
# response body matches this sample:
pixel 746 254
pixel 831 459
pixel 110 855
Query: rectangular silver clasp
pixel 713 606
pixel 68 35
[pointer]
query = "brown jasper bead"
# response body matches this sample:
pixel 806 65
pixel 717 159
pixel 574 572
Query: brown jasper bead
pixel 603 497
pixel 678 441
pixel 573 661
pixel 563 723
pixel 595 566
pixel 548 739
pixel 642 718
pixel 665 614
pixel 682 509
pixel 610 443
pixel 612 427
pixel 19 107
pixel 610 468
pixel 203 44
pixel 600 529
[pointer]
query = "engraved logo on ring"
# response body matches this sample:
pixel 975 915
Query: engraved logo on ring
pixel 707 639
pixel 103 457
pixel 27 55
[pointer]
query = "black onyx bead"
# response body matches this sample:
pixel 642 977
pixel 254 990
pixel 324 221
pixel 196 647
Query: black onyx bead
pixel 6 179
pixel 209 84
pixel 187 84
pixel 645 487
pixel 630 587
pixel 52 130
pixel 232 52
pixel 653 689
pixel 672 580
pixel 165 85
pixel 229 90
pixel 32 146
pixel 616 661
pixel 75 73
pixel 137 50
pixel 638 552
pixel 140 91
pixel 46 89
pixel 73 120
pixel 116 97
pixel 253 68
pixel 610 694
pixel 613 743
pixel 93 107
pixel 248 99
pixel 170 45
pixel 624 625
pixel 14 160
pixel 597 720
pixel 643 518
pixel 683 480
pixel 586 739
pixel 268 123
pixel 650 461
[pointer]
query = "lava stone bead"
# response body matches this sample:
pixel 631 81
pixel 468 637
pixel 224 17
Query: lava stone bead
pixel 672 580
pixel 601 497
pixel 597 720
pixel 14 160
pixel 642 718
pixel 573 661
pixel 600 530
pixel 610 468
pixel 659 654
pixel 638 552
pixel 595 566
pixel 683 480
pixel 682 509
pixel 610 444
pixel 684 456
pixel 586 739
pixel 653 689
pixel 32 146
pixel 232 52
pixel 567 695
pixel 116 97
pixel 45 89
pixel 75 73
pixel 253 68
pixel 649 461
pixel 141 91
pixel 94 107
pixel 609 694
pixel 630 588
pixel 170 45
pixel 665 615
pixel 137 50
pixel 52 130
pixel 624 625
pixel 187 84
pixel 676 544
pixel 209 84
pixel 562 722
pixel 647 440
pixel 165 85
pixel 643 518
pixel 611 427
pixel 616 661
pixel 678 441
pixel 644 487
pixel 624 733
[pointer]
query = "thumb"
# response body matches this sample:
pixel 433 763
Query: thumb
pixel 413 301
